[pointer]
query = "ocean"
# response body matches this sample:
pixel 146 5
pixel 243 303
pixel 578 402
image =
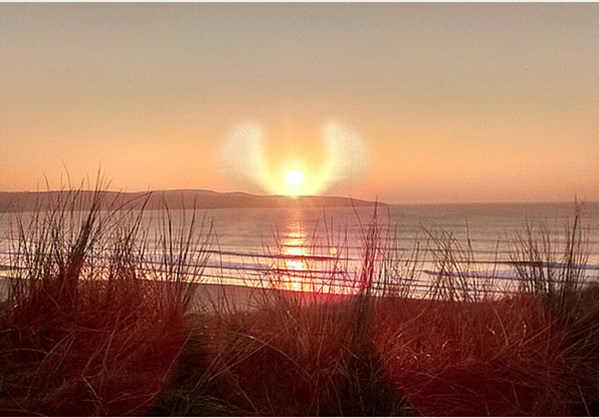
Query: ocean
pixel 323 249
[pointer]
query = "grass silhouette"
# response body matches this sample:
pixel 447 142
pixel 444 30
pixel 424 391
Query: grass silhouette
pixel 102 319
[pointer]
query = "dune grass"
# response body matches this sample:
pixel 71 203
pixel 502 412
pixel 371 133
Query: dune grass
pixel 102 319
pixel 84 332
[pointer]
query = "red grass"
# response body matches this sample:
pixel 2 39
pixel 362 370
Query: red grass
pixel 499 358
pixel 84 337
pixel 100 357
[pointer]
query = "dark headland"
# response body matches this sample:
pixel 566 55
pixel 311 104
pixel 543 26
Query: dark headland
pixel 175 199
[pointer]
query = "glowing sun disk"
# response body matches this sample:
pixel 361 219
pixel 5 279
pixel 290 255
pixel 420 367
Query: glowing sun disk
pixel 294 178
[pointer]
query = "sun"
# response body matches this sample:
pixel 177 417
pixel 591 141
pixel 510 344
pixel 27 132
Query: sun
pixel 294 183
pixel 294 178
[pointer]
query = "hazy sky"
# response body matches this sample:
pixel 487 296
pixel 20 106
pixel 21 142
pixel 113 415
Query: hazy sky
pixel 446 102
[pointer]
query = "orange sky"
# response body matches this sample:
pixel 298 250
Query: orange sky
pixel 451 102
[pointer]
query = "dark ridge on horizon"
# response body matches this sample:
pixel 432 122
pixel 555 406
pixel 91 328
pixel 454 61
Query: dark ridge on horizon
pixel 176 199
pixel 17 201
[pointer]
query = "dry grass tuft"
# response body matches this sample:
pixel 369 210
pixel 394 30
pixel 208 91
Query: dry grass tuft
pixel 102 320
pixel 83 331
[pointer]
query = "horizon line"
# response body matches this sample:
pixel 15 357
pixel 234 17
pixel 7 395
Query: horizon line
pixel 376 200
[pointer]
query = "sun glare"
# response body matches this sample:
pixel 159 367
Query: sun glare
pixel 343 156
pixel 294 183
pixel 294 178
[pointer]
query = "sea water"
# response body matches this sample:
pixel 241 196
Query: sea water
pixel 327 249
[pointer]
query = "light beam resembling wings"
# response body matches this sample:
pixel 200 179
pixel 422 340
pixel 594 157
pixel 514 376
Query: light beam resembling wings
pixel 347 157
pixel 243 158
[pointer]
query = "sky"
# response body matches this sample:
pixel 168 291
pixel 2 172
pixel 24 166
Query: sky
pixel 407 103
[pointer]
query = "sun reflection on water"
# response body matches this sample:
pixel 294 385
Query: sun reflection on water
pixel 310 265
pixel 294 251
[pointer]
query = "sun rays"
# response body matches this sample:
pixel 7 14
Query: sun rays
pixel 244 159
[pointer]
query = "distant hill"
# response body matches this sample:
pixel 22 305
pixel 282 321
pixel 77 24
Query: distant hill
pixel 174 199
